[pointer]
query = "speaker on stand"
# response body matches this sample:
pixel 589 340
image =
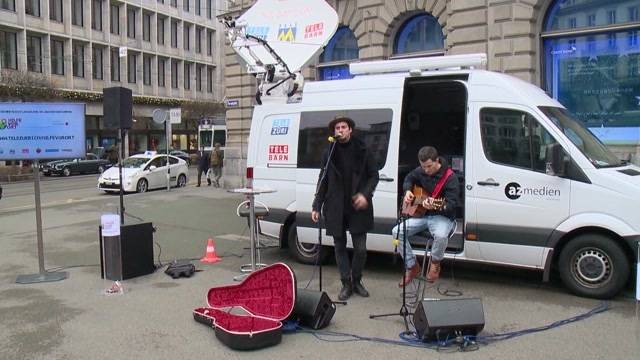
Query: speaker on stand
pixel 436 319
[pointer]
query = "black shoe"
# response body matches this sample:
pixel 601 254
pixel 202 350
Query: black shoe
pixel 359 289
pixel 345 292
pixel 208 182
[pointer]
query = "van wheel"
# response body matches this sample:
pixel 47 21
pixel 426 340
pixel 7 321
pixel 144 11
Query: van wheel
pixel 306 253
pixel 594 265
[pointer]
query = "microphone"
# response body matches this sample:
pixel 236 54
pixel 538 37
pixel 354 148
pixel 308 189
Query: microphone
pixel 334 138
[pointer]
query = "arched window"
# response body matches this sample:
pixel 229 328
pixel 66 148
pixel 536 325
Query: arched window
pixel 419 34
pixel 591 57
pixel 339 52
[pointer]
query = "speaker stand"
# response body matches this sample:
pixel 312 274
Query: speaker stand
pixel 404 310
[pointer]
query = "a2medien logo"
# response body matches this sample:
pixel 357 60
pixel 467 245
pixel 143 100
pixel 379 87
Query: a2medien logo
pixel 513 191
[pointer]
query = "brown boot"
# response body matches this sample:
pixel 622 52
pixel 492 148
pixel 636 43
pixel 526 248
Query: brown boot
pixel 409 275
pixel 434 271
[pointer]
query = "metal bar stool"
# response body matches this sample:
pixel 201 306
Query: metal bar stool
pixel 260 210
pixel 425 269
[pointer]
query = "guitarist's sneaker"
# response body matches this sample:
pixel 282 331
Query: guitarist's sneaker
pixel 409 275
pixel 434 271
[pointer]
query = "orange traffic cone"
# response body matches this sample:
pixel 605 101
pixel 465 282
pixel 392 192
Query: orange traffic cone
pixel 210 255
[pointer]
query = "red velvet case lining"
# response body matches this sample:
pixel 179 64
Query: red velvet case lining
pixel 267 295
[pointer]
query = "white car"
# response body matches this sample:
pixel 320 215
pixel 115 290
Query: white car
pixel 143 172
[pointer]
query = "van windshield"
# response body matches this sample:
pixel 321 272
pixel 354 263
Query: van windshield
pixel 597 153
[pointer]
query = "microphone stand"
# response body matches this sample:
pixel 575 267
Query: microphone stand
pixel 404 311
pixel 322 179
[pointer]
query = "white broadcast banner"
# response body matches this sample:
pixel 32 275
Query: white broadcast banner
pixel 30 131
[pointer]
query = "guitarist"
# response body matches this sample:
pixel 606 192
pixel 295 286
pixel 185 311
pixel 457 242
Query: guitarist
pixel 441 187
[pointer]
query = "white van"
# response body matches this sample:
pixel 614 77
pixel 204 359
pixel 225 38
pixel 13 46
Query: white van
pixel 538 190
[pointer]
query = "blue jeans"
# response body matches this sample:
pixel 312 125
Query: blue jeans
pixel 439 226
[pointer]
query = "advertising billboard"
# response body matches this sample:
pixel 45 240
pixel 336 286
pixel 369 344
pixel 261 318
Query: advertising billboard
pixel 30 131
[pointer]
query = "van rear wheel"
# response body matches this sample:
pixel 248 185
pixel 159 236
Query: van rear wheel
pixel 306 253
pixel 594 265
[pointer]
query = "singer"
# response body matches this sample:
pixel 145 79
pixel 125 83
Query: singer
pixel 344 196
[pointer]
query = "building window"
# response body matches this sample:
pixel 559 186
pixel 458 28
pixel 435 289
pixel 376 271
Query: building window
pixel 8 50
pixel 55 10
pixel 160 30
pixel 174 34
pixel 96 14
pixel 77 12
pixel 131 23
pixel 419 34
pixel 115 64
pixel 209 79
pixel 573 23
pixel 185 5
pixel 198 40
pixel 174 3
pixel 146 70
pixel 57 57
pixel 209 9
pixel 186 32
pixel 611 16
pixel 96 63
pixel 34 53
pixel 115 19
pixel 633 14
pixel 187 76
pixel 590 76
pixel 78 59
pixel 32 7
pixel 146 26
pixel 334 60
pixel 174 74
pixel 197 6
pixel 632 37
pixel 8 5
pixel 131 68
pixel 209 42
pixel 559 11
pixel 161 70
pixel 199 71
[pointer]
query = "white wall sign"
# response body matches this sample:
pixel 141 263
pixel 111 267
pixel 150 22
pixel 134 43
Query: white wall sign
pixel 123 51
pixel 30 131
pixel 110 224
pixel 175 116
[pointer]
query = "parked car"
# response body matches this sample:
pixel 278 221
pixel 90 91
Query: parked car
pixel 90 164
pixel 182 155
pixel 144 172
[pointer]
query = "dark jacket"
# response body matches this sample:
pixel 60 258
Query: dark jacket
pixel 203 161
pixel 331 192
pixel 451 190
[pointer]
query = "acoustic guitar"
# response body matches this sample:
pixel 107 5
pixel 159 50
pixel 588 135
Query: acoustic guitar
pixel 415 208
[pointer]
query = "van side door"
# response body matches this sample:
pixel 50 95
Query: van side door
pixel 519 202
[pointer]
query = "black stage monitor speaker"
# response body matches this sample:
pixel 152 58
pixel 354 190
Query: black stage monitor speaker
pixel 313 308
pixel 438 319
pixel 117 106
pixel 130 254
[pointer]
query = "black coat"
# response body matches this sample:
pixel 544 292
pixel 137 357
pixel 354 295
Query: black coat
pixel 203 161
pixel 331 192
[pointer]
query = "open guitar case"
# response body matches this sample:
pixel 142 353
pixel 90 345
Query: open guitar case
pixel 249 315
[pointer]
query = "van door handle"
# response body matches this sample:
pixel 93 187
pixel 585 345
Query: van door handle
pixel 385 178
pixel 488 182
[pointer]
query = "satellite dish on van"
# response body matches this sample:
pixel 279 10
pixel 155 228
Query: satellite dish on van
pixel 296 30
pixel 277 38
